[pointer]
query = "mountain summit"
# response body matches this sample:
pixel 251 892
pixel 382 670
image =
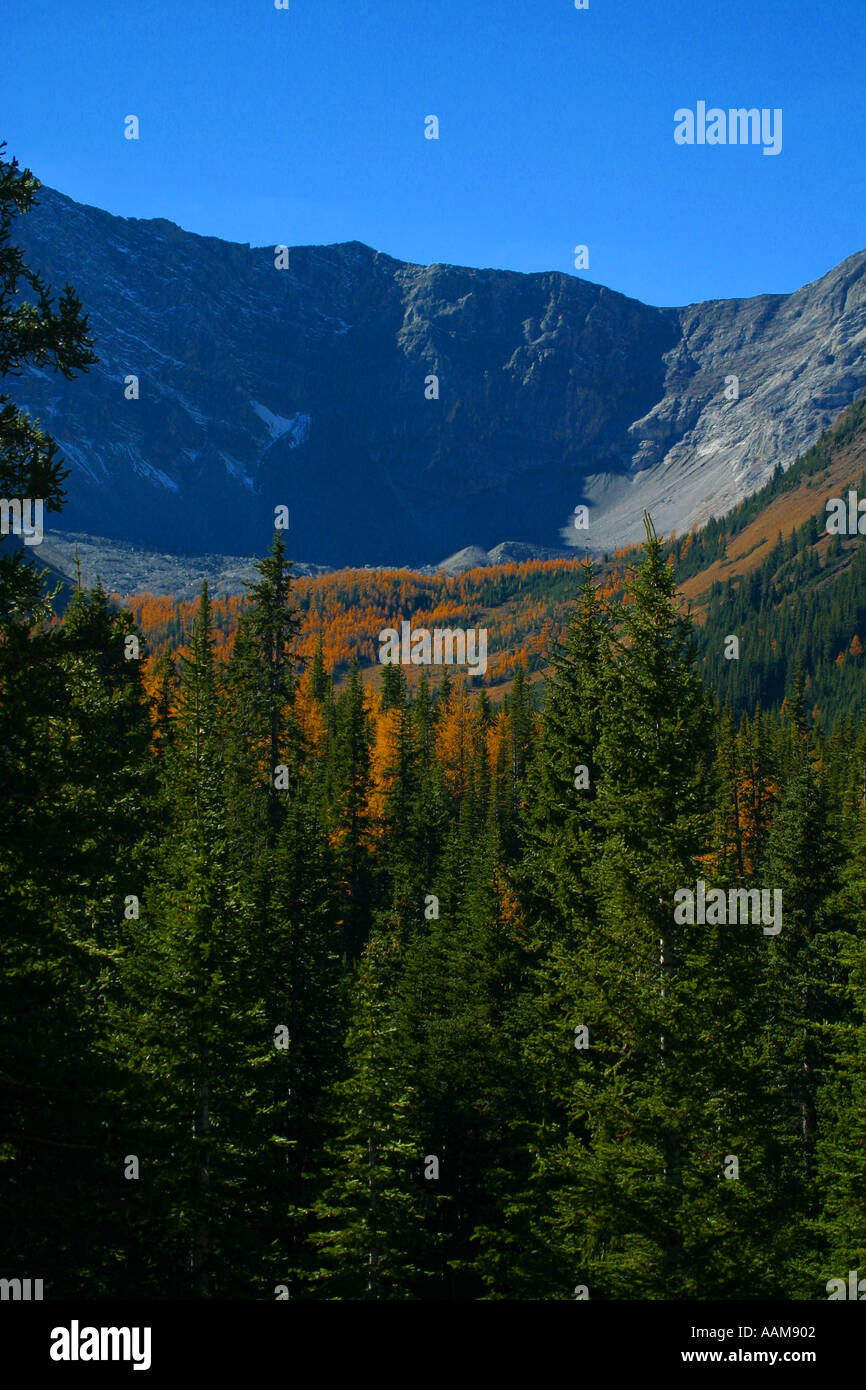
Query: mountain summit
pixel 308 387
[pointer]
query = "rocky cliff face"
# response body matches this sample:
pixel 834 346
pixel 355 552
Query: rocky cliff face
pixel 306 387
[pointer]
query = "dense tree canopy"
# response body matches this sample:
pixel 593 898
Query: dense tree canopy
pixel 314 988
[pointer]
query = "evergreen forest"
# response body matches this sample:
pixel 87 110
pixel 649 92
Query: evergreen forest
pixel 321 991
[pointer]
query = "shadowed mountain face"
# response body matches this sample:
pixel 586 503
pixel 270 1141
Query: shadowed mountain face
pixel 306 387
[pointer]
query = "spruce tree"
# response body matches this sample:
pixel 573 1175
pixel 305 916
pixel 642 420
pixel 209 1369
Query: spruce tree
pixel 192 1030
pixel 617 1176
pixel 370 1236
pixel 37 333
pixel 74 732
pixel 349 789
pixel 840 1168
pixel 279 859
pixel 459 973
pixel 803 981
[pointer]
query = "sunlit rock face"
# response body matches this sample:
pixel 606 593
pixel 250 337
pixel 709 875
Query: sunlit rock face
pixel 311 387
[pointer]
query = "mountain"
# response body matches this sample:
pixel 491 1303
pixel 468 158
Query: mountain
pixel 793 593
pixel 768 573
pixel 306 387
pixel 122 568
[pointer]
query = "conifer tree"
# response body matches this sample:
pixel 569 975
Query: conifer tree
pixel 804 979
pixel 393 693
pixel 402 840
pixel 563 777
pixel 306 996
pixel 758 757
pixel 459 973
pixel 261 682
pixel 840 1167
pixel 370 1238
pixel 729 815
pixel 553 885
pixel 431 804
pixel 320 679
pixel 191 1029
pixel 34 332
pixel 617 1177
pixel 279 859
pixel 349 787
pixel 74 731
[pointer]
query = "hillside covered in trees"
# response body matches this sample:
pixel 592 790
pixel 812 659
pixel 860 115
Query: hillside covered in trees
pixel 360 994
pixel 768 573
pixel 325 989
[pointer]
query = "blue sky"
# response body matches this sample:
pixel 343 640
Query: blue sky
pixel 556 128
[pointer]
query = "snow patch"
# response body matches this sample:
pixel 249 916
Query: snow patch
pixel 152 474
pixel 191 409
pixel 297 427
pixel 238 471
pixel 84 458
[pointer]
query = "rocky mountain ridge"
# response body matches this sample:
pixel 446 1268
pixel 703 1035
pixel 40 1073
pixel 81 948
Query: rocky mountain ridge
pixel 310 387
